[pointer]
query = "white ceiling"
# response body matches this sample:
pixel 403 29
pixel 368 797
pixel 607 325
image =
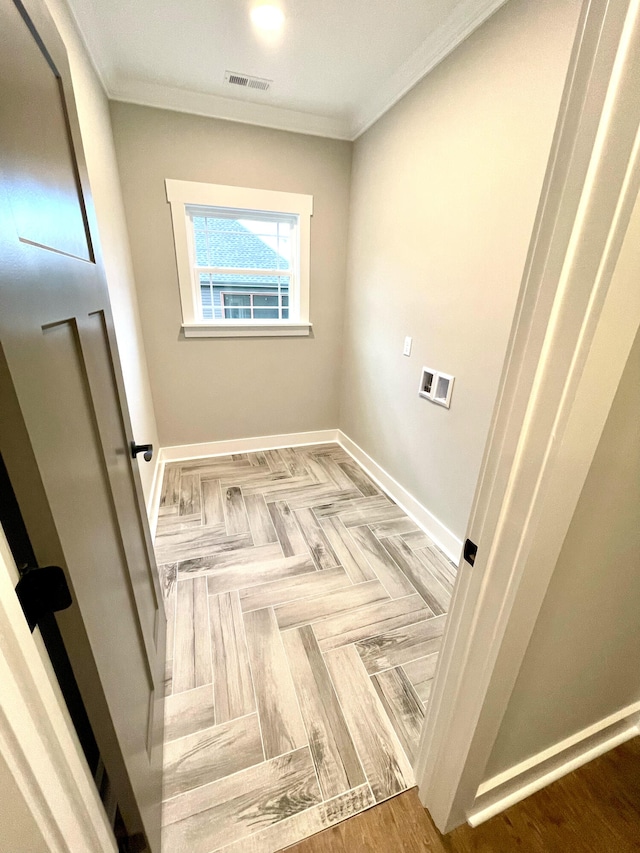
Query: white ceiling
pixel 336 66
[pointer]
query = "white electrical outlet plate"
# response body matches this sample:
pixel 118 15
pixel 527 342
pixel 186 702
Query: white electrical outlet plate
pixel 407 346
pixel 436 386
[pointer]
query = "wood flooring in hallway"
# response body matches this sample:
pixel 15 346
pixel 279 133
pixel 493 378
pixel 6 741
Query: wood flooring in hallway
pixel 305 614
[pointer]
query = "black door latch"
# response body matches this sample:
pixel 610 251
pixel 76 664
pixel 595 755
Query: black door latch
pixel 470 551
pixel 42 591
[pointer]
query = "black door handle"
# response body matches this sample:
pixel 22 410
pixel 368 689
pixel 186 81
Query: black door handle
pixel 147 449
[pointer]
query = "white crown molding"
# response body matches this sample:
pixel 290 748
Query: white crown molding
pixel 465 18
pixel 214 106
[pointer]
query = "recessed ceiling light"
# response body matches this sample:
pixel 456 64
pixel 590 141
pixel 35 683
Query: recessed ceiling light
pixel 267 17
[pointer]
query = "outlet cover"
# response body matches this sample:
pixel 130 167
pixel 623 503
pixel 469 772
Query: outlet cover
pixel 407 346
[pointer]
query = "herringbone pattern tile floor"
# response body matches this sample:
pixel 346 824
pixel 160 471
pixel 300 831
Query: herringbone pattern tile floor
pixel 305 616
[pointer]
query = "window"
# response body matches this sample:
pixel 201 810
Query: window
pixel 243 259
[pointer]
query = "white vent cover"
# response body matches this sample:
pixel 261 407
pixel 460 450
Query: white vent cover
pixel 246 80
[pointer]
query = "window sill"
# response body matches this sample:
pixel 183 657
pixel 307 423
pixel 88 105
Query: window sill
pixel 235 329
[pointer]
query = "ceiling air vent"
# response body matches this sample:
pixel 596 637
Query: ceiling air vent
pixel 247 81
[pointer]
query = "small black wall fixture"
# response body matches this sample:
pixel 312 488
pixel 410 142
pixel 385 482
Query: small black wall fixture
pixel 147 449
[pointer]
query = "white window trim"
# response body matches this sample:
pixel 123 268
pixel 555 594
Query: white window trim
pixel 180 194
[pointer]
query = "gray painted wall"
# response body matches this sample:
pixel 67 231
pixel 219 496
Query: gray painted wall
pixel 581 664
pixel 214 389
pixel 444 194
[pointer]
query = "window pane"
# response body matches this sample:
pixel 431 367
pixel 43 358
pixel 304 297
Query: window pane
pixel 246 243
pixel 285 299
pixel 285 313
pixel 263 300
pixel 266 314
pixel 236 299
pixel 237 313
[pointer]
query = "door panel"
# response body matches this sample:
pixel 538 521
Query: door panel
pixel 46 199
pixel 71 467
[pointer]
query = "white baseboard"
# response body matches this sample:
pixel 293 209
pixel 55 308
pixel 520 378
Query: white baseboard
pixel 432 526
pixel 518 782
pixel 442 537
pixel 181 452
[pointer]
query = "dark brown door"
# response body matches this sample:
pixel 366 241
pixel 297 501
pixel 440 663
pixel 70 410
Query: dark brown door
pixel 65 428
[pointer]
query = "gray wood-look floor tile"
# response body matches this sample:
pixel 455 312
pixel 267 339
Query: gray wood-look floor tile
pixel 212 509
pixel 235 513
pixel 322 495
pixel 294 462
pixel 232 683
pixel 253 574
pixel 316 471
pixel 347 502
pixel 192 653
pixel 215 462
pixel 215 544
pixel 385 763
pixel 175 523
pixel 363 483
pixel 403 706
pixel 317 542
pixel 231 556
pixel 231 808
pixel 417 539
pixel 370 621
pixel 289 535
pixel 168 573
pixel 308 610
pixel 304 824
pixel 293 589
pixel 401 645
pixel 394 581
pixel 170 493
pixel 349 555
pixel 211 754
pixel 394 528
pixel 275 461
pixel 439 566
pixel 280 489
pixel 372 515
pixel 332 748
pixel 434 594
pixel 188 712
pixel 420 673
pixel 335 472
pixel 262 529
pixel 190 494
pixel 282 726
pixel 190 543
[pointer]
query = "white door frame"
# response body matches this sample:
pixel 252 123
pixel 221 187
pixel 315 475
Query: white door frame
pixel 37 739
pixel 576 319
